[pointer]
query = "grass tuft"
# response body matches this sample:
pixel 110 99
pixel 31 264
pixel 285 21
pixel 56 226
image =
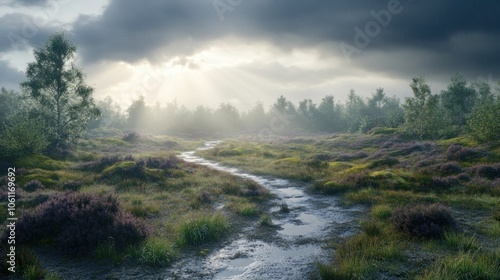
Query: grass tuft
pixel 157 252
pixel 202 228
pixel 465 266
pixel 265 220
pixel 382 212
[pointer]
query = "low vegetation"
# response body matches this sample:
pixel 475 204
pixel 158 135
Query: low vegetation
pixel 431 202
pixel 135 202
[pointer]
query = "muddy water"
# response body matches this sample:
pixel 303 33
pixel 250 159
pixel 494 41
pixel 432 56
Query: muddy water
pixel 291 251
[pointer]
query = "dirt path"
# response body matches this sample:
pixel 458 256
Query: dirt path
pixel 287 250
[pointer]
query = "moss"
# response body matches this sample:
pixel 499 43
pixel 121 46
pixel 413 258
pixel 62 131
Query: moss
pixel 462 140
pixel 287 161
pixel 338 166
pixel 357 168
pixel 41 162
pixel 330 187
pixel 383 174
pixel 48 178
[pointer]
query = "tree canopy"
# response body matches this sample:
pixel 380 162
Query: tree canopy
pixel 57 92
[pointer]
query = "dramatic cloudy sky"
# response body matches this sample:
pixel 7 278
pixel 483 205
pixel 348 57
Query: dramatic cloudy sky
pixel 204 52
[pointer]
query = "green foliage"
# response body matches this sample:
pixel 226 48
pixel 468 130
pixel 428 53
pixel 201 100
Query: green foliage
pixel 52 276
pixel 465 266
pixel 41 162
pixel 202 228
pixel 421 113
pixel 482 123
pixel 107 250
pixel 24 137
pixel 382 212
pixel 33 272
pixel 56 90
pixel 265 220
pixel 358 256
pixel 460 241
pixel 244 208
pixel 458 100
pixel 157 252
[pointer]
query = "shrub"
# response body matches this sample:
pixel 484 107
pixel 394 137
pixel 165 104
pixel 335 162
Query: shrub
pixel 72 185
pixel 253 189
pixel 423 221
pixel 24 137
pixel 202 229
pixel 463 177
pixel 458 152
pixel 131 137
pixel 388 161
pixel 159 163
pixel 349 157
pixel 450 168
pixel 80 222
pixel 411 147
pixel 33 186
pixel 100 164
pixel 482 185
pixel 126 169
pixel 439 184
pixel 487 171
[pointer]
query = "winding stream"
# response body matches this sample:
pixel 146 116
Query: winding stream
pixel 295 246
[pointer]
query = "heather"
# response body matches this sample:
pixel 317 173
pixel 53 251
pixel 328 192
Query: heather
pixel 426 201
pixel 78 223
pixel 133 203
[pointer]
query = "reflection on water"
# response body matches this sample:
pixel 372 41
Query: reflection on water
pixel 312 217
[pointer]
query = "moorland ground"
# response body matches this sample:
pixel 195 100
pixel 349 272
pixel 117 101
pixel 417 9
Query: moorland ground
pixel 433 206
pixel 119 204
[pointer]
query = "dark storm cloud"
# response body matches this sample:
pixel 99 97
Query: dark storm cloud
pixel 20 31
pixel 10 77
pixel 454 34
pixel 17 3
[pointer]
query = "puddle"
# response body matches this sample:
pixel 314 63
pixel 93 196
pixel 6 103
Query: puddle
pixel 312 219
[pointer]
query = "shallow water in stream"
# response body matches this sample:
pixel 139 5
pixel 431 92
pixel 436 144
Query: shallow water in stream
pixel 290 252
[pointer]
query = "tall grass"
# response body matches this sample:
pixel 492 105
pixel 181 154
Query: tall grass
pixel 382 212
pixel 157 252
pixel 460 241
pixel 201 228
pixel 466 266
pixel 359 255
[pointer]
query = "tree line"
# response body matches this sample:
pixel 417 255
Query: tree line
pixel 56 108
pixel 462 108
